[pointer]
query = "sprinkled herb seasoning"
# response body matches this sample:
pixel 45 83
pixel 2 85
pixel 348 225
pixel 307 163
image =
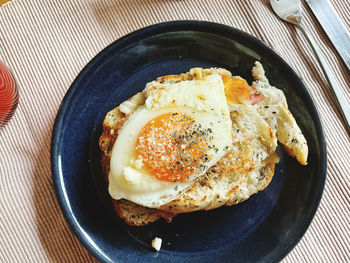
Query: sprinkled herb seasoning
pixel 176 147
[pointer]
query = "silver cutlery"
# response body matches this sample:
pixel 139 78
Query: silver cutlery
pixel 290 11
pixel 334 28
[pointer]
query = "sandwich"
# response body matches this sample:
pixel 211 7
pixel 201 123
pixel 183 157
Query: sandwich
pixel 195 141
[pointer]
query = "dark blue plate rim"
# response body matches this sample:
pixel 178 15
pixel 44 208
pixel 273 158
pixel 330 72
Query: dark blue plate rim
pixel 134 37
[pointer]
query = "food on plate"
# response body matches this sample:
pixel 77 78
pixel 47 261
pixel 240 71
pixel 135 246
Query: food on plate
pixel 157 243
pixel 165 144
pixel 274 110
pixel 195 141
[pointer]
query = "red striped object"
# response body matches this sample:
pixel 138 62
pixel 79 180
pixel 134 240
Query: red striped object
pixel 8 95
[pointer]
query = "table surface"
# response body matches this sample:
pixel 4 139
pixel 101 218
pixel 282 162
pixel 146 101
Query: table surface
pixel 46 43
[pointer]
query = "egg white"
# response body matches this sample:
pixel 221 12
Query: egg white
pixel 206 94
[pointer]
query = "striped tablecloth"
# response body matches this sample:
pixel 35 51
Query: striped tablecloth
pixel 46 43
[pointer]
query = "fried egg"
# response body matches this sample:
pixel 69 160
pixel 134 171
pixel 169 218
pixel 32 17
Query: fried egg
pixel 181 131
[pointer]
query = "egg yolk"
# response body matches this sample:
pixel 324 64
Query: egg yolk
pixel 173 146
pixel 238 91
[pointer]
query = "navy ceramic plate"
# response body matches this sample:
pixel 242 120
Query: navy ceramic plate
pixel 262 229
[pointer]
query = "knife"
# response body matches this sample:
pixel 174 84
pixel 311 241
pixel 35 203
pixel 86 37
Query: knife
pixel 333 27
